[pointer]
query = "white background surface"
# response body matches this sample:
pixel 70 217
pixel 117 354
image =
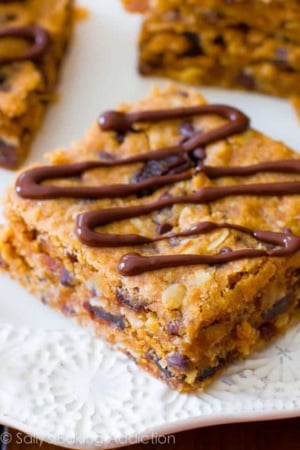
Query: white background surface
pixel 98 74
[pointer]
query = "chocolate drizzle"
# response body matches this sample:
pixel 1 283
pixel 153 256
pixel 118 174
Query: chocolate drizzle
pixel 39 37
pixel 29 185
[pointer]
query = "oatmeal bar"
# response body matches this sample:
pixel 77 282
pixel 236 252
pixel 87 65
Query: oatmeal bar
pixel 172 227
pixel 253 45
pixel 33 38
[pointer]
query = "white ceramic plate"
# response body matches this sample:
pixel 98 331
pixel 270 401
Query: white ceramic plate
pixel 56 381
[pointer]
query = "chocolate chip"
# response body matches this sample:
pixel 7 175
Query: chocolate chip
pixel 99 313
pixel 219 40
pixel 66 278
pixel 246 80
pixel 198 155
pixel 132 301
pixel 152 356
pixel 267 331
pixel 120 136
pixel 8 155
pixel 156 168
pixel 177 361
pixel 173 328
pixel 163 228
pixel 209 371
pixel 279 307
pixel 187 129
pixel 195 48
pixel 241 26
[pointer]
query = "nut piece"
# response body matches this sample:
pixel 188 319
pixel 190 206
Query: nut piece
pixel 173 296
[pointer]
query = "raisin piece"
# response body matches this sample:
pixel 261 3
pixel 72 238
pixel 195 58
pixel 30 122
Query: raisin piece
pixel 195 48
pixel 281 58
pixel 125 299
pixel 177 361
pixel 209 371
pixel 66 278
pixel 279 307
pixel 152 356
pixel 156 168
pixel 198 155
pixel 173 328
pixel 163 228
pixel 187 129
pixel 99 313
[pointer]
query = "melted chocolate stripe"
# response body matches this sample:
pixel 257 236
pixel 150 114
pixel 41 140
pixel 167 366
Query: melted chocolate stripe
pixel 40 42
pixel 87 222
pixel 281 166
pixel 28 184
pixel 135 264
pixel 120 121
